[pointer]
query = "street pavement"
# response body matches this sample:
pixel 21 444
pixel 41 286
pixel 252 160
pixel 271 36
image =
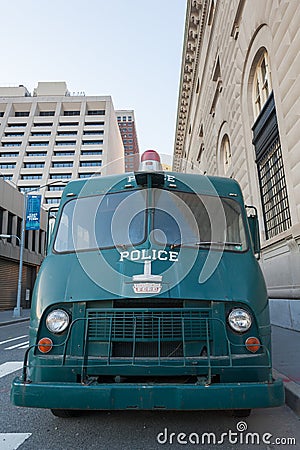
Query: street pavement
pixel 285 356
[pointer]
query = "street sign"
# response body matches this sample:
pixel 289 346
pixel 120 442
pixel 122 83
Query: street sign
pixel 33 212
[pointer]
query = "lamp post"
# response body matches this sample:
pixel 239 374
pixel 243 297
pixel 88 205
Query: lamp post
pixel 17 309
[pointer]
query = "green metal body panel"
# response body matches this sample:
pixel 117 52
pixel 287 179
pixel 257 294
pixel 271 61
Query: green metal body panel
pixel 199 363
pixel 156 397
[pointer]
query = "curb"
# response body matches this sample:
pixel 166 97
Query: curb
pixel 10 322
pixel 292 392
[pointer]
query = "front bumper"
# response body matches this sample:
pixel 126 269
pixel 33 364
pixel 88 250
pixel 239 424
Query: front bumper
pixel 124 396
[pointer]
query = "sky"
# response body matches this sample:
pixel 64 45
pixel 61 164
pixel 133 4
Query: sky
pixel 129 49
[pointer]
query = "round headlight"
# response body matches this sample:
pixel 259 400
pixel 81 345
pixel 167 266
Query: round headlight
pixel 240 320
pixel 57 321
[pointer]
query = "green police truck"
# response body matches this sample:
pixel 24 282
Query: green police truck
pixel 150 297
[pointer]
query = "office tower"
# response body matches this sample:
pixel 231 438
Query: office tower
pixel 126 122
pixel 55 135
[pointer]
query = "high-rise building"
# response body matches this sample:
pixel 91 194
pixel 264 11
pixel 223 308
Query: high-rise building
pixel 53 135
pixel 126 122
pixel 238 116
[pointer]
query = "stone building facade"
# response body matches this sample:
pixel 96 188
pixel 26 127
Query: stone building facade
pixel 239 116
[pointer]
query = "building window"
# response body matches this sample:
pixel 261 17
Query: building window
pixel 97 124
pixel 56 188
pixel 92 142
pixel 8 155
pixel 68 124
pixel 26 238
pixel 90 163
pixel 270 168
pixel 8 166
pixel 41 133
pixel 31 177
pixel 52 201
pixel 66 133
pixel 38 144
pixel 16 125
pixel 71 113
pixel 14 134
pixel 96 112
pixel 21 113
pixel 33 241
pixel 91 152
pixel 60 176
pixel 90 133
pixel 7 177
pixel 62 164
pixel 261 84
pixel 118 118
pixel 34 165
pixel 64 153
pixel 40 241
pixel 11 144
pixel 226 153
pixel 1 113
pixel 47 113
pixel 43 124
pixel 36 154
pixel 200 153
pixel 26 189
pixel 86 175
pixel 65 143
pixel 9 225
pixel 19 229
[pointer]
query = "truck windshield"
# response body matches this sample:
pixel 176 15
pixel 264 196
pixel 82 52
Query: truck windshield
pixel 177 219
pixel 103 221
pixel 188 219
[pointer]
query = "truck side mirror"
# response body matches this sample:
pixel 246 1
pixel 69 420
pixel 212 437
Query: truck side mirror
pixel 254 231
pixel 50 225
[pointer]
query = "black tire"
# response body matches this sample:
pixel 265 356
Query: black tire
pixel 66 413
pixel 241 413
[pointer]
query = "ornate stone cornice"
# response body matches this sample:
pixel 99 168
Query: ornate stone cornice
pixel 194 24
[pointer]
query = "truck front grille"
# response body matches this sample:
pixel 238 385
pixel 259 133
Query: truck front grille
pixel 148 332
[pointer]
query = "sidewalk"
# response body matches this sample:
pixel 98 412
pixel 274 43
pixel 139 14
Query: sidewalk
pixel 285 356
pixel 6 317
pixel 286 363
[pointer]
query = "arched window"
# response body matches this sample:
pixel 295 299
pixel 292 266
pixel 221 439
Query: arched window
pixel 226 153
pixel 262 86
pixel 268 152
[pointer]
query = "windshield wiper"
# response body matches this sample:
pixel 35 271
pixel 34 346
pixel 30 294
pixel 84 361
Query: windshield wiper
pixel 206 243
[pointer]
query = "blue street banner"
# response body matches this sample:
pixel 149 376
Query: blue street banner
pixel 33 212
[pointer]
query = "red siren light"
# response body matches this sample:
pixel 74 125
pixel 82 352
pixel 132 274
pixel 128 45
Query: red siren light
pixel 150 161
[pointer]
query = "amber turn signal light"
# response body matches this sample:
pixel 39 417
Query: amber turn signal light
pixel 45 345
pixel 252 344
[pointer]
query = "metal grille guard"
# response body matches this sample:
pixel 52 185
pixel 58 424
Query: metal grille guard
pixel 151 325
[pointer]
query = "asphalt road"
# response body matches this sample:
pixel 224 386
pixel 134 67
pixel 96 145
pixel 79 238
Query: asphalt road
pixel 132 430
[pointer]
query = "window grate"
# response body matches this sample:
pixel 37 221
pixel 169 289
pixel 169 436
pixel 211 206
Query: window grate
pixel 270 168
pixel 273 191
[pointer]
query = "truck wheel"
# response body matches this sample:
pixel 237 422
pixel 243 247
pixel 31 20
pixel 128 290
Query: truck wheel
pixel 66 413
pixel 241 412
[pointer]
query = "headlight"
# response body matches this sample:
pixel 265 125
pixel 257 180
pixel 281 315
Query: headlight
pixel 57 321
pixel 240 320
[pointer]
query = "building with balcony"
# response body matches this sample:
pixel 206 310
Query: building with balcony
pixel 52 135
pixel 238 116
